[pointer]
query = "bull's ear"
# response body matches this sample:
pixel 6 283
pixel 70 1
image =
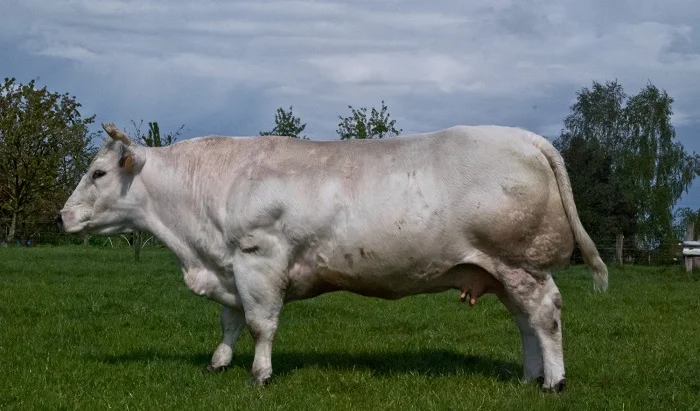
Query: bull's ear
pixel 130 160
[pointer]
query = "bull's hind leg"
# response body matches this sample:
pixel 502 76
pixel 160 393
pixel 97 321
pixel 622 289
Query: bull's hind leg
pixel 537 297
pixel 232 323
pixel 546 321
pixel 532 352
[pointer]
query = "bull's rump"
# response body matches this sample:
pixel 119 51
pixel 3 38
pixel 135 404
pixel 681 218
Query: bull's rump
pixel 402 212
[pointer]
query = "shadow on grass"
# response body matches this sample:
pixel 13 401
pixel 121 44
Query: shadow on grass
pixel 431 362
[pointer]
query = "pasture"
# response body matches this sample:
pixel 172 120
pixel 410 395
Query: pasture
pixel 88 328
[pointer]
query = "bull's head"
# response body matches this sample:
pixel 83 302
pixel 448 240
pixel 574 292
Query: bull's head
pixel 106 197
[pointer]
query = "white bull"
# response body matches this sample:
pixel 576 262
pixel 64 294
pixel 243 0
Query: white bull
pixel 258 222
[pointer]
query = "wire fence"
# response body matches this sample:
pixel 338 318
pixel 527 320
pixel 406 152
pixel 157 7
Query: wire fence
pixel 47 233
pixel 631 252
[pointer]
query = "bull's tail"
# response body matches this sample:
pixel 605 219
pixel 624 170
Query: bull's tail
pixel 588 248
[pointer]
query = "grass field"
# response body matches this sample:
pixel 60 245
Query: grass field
pixel 90 329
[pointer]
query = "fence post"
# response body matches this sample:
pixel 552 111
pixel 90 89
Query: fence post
pixel 137 245
pixel 619 240
pixel 689 236
pixel 696 260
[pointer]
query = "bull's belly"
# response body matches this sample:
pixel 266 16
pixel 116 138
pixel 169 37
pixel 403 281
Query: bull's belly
pixel 392 284
pixel 381 285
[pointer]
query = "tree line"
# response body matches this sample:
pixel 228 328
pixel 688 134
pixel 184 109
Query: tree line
pixel 627 168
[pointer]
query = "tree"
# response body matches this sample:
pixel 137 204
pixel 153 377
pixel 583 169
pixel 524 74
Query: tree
pixel 604 207
pixel 358 126
pixel 646 166
pixel 152 138
pixel 286 124
pixel 45 148
pixel 598 114
pixel 155 139
pixel 592 139
pixel 657 167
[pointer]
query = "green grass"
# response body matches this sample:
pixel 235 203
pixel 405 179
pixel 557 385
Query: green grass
pixel 91 329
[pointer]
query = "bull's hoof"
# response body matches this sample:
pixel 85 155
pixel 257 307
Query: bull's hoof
pixel 539 381
pixel 556 388
pixel 262 382
pixel 209 368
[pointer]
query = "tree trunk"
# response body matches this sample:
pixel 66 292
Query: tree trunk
pixel 619 241
pixel 13 229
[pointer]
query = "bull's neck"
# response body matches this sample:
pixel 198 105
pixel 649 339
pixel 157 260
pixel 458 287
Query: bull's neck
pixel 180 209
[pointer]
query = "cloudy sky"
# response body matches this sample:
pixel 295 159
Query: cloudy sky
pixel 223 67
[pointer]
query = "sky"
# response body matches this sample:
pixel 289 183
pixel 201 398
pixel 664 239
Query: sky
pixel 224 67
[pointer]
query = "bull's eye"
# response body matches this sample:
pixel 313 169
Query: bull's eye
pixel 97 174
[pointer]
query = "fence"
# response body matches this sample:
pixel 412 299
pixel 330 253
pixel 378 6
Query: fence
pixel 628 250
pixel 42 233
pixel 691 248
pixel 619 249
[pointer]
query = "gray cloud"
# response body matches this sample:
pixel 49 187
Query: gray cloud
pixel 224 67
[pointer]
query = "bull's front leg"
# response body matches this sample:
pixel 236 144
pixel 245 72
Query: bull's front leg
pixel 262 322
pixel 232 323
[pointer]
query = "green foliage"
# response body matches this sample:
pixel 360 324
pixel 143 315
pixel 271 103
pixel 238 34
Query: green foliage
pixel 45 148
pixel 358 126
pixel 656 167
pixel 598 114
pixel 153 138
pixel 604 206
pixel 641 168
pixel 286 124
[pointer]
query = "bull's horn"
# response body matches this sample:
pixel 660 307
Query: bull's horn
pixel 115 133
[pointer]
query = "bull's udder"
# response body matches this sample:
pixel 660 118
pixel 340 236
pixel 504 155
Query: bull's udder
pixel 477 283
